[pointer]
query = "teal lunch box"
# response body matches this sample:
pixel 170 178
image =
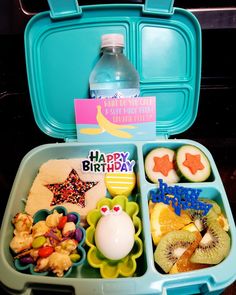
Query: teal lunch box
pixel 62 46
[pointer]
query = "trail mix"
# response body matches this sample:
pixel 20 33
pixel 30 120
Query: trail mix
pixel 50 244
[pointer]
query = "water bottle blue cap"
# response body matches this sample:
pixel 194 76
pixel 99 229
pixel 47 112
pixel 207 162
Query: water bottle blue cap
pixel 112 40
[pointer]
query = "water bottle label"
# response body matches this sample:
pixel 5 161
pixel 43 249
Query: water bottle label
pixel 110 93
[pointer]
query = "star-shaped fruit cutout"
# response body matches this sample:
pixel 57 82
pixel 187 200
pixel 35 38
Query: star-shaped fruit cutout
pixel 72 190
pixel 163 165
pixel 193 162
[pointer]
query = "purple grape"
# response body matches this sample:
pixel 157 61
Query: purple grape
pixel 26 260
pixel 72 218
pixel 78 234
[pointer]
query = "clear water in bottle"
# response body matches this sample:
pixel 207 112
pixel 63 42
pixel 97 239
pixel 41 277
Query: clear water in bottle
pixel 113 76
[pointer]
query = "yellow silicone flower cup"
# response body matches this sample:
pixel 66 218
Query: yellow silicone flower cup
pixel 126 266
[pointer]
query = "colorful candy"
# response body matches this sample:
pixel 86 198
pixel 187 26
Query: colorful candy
pixel 50 245
pixel 45 251
pixel 38 242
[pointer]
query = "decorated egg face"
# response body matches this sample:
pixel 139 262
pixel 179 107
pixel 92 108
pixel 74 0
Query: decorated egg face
pixel 114 234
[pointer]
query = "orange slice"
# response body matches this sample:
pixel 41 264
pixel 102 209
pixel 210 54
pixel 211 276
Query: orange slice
pixel 183 264
pixel 163 219
pixel 151 205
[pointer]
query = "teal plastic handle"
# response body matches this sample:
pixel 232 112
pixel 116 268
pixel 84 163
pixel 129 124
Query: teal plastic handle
pixel 160 7
pixel 61 9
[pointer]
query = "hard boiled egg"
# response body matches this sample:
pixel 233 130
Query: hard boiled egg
pixel 114 235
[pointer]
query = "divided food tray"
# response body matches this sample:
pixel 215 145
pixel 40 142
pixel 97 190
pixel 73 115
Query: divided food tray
pixel 148 279
pixel 62 46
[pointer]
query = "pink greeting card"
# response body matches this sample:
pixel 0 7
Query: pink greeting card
pixel 115 119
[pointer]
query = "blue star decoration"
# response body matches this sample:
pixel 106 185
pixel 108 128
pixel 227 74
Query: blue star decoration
pixel 72 190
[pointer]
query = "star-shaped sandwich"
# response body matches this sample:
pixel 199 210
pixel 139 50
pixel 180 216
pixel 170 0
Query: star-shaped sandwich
pixel 72 190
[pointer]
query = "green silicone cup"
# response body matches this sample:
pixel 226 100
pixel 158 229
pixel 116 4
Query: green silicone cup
pixel 126 266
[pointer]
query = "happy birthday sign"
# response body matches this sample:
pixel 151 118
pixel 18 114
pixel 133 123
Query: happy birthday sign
pixel 181 198
pixel 113 162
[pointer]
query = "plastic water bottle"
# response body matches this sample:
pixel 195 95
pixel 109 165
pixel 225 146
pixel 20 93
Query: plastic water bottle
pixel 113 76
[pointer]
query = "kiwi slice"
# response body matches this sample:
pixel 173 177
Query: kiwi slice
pixel 171 247
pixel 202 221
pixel 215 207
pixel 213 247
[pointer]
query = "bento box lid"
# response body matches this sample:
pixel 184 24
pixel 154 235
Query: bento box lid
pixel 62 46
